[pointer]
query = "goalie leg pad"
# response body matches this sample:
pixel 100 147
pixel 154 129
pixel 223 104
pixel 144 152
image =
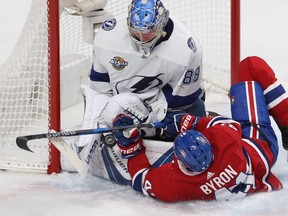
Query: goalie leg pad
pixel 93 115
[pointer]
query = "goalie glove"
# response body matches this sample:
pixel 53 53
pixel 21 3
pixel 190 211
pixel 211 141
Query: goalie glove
pixel 128 104
pixel 131 105
pixel 157 112
pixel 129 141
pixel 177 122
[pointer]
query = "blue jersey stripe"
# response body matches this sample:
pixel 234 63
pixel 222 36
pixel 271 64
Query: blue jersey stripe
pixel 167 157
pixel 99 77
pixel 175 101
pixel 137 182
pixel 274 94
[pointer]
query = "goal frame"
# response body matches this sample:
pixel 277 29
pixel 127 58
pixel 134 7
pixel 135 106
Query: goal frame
pixel 23 72
pixel 54 77
pixel 235 40
pixel 54 68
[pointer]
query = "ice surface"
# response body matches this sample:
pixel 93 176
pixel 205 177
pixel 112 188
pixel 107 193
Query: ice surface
pixel 264 33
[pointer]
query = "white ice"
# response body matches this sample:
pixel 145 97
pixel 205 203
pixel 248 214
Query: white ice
pixel 264 33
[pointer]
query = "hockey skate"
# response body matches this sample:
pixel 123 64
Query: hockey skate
pixel 284 134
pixel 212 114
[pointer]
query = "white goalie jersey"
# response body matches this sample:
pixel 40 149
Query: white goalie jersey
pixel 171 77
pixel 173 71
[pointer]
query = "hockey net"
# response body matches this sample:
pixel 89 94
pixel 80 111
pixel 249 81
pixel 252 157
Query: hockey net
pixel 25 82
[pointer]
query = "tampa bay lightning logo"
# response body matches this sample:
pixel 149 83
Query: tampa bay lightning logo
pixel 108 25
pixel 140 84
pixel 191 44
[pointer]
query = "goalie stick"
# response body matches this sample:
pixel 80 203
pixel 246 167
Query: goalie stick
pixel 21 141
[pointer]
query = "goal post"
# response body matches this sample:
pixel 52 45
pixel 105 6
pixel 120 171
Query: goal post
pixel 52 58
pixel 54 81
pixel 235 40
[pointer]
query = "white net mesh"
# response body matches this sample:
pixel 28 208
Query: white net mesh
pixel 24 93
pixel 24 83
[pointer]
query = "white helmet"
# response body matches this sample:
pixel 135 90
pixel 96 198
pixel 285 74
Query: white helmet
pixel 146 21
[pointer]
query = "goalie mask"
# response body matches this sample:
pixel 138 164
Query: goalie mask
pixel 193 151
pixel 146 21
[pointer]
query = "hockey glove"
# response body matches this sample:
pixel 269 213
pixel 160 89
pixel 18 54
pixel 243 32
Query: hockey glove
pixel 129 141
pixel 177 122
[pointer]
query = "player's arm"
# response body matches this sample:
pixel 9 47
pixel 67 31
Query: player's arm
pixel 131 147
pixel 99 76
pixel 140 169
pixel 179 121
pixel 186 85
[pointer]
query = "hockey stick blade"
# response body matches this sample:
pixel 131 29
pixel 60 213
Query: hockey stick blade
pixel 21 141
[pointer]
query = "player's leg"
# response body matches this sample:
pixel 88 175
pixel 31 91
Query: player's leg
pixel 248 107
pixel 256 69
pixel 197 109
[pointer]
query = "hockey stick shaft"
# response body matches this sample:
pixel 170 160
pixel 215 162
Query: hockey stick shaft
pixel 21 141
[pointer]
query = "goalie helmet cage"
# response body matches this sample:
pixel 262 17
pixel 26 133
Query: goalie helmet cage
pixel 51 45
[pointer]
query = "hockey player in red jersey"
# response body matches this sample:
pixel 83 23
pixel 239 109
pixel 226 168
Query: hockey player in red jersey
pixel 216 158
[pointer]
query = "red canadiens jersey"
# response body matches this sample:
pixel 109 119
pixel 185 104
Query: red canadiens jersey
pixel 240 167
